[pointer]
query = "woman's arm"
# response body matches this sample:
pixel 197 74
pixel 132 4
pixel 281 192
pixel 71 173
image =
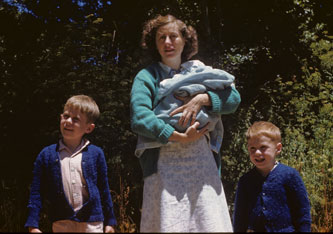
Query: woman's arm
pixel 221 102
pixel 143 119
pixel 191 133
pixel 191 108
pixel 225 101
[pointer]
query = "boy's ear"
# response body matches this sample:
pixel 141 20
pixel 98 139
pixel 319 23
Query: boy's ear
pixel 90 128
pixel 278 147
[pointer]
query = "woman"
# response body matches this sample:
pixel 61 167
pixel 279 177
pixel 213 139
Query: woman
pixel 182 187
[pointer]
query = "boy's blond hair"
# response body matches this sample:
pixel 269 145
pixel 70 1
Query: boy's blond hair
pixel 84 104
pixel 264 128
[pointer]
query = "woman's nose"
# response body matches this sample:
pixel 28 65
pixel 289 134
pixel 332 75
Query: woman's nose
pixel 167 40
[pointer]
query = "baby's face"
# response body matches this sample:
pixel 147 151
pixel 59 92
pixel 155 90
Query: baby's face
pixel 262 152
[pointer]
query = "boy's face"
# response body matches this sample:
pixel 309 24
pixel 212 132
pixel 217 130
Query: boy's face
pixel 73 125
pixel 262 152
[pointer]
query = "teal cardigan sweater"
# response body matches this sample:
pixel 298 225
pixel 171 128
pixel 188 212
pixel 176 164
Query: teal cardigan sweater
pixel 144 121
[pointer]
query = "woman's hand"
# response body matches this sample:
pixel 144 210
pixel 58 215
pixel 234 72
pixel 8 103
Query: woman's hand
pixel 191 134
pixel 191 107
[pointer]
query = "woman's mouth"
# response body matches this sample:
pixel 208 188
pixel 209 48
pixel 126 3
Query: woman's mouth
pixel 169 50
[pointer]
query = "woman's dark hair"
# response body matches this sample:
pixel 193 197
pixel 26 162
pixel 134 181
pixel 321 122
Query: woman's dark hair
pixel 149 33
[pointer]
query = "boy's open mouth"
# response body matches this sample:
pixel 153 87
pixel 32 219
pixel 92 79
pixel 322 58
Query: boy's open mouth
pixel 260 160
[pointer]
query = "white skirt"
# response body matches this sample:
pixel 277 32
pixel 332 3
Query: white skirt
pixel 186 193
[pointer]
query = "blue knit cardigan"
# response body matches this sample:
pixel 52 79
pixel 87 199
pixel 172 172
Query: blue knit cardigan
pixel 47 185
pixel 280 198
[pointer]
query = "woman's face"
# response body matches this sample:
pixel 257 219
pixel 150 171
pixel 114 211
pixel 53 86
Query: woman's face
pixel 170 43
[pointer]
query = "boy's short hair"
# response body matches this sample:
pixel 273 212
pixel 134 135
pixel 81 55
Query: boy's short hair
pixel 264 128
pixel 84 104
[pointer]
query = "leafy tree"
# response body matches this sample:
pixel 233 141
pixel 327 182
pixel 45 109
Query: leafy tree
pixel 279 51
pixel 301 105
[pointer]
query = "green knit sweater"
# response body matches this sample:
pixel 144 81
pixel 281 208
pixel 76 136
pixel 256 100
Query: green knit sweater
pixel 144 122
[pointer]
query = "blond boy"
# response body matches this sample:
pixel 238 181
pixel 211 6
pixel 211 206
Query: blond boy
pixel 271 197
pixel 72 176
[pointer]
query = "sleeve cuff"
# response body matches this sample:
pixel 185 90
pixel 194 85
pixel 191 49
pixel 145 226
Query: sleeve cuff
pixel 166 133
pixel 33 219
pixel 216 102
pixel 110 222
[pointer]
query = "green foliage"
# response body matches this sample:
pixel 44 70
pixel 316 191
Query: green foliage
pixel 302 108
pixel 309 133
pixel 279 51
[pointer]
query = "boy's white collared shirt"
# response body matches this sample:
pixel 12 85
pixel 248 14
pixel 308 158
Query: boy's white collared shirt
pixel 75 188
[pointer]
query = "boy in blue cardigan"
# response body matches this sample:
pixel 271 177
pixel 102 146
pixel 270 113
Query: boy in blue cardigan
pixel 271 197
pixel 72 176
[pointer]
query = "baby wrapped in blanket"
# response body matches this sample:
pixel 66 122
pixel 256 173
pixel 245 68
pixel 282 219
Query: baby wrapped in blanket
pixel 195 78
